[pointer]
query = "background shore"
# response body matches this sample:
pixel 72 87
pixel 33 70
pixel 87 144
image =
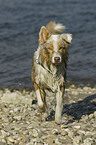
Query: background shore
pixel 20 121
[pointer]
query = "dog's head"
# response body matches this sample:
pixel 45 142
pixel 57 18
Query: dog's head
pixel 54 47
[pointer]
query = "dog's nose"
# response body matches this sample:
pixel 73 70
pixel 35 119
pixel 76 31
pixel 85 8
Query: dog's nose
pixel 57 59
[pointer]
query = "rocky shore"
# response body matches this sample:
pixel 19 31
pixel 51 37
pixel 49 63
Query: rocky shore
pixel 21 123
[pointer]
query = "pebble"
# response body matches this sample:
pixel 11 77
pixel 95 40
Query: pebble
pixel 81 132
pixel 63 126
pixel 4 133
pixel 88 141
pixel 63 132
pixel 71 134
pixel 55 131
pixel 95 114
pixel 10 139
pixel 34 133
pixel 91 115
pixel 77 127
pixel 20 121
pixel 77 140
pixel 84 118
pixel 56 141
pixel 18 117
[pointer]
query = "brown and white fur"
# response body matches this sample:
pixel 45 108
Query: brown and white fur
pixel 49 65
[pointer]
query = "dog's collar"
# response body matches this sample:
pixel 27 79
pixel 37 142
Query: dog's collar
pixel 45 68
pixel 48 70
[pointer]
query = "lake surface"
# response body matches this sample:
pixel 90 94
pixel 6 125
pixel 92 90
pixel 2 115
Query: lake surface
pixel 20 22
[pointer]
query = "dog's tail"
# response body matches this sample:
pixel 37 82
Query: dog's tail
pixel 54 28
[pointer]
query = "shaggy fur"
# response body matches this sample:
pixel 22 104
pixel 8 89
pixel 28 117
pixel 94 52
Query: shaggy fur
pixel 49 65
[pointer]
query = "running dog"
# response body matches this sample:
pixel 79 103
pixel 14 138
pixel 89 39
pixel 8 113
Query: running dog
pixel 49 65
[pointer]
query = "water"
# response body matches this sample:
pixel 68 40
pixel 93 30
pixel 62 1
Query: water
pixel 20 22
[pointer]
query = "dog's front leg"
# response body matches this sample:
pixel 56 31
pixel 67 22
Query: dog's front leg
pixel 40 94
pixel 59 106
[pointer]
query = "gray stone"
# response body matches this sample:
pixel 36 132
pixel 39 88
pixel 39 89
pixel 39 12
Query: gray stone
pixel 34 133
pixel 95 113
pixel 63 132
pixel 77 140
pixel 18 117
pixel 71 134
pixel 88 141
pixel 4 133
pixel 10 139
pixel 15 98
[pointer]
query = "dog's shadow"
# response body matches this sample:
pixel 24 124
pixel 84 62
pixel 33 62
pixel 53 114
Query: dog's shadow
pixel 77 110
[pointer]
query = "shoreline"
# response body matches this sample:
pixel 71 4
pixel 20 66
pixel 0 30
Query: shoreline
pixel 20 121
pixel 73 92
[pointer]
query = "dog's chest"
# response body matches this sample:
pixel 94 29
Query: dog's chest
pixel 47 79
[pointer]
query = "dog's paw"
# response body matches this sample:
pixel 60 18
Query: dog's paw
pixel 57 119
pixel 58 122
pixel 43 116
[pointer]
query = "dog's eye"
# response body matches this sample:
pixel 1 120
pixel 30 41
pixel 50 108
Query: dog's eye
pixel 50 49
pixel 60 48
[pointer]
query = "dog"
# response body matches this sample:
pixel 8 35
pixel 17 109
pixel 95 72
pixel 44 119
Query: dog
pixel 49 65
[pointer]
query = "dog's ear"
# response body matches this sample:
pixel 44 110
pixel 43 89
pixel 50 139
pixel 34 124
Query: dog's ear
pixel 43 35
pixel 67 37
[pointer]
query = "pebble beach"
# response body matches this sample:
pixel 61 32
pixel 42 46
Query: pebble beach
pixel 21 123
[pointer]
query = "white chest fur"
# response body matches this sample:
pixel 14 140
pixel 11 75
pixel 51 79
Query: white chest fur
pixel 46 79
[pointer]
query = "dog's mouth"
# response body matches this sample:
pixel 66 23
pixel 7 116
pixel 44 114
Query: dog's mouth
pixel 57 63
pixel 57 60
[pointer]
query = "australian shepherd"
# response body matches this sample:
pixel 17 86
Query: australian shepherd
pixel 49 65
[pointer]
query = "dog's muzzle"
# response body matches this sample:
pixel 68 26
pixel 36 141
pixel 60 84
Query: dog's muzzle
pixel 56 59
